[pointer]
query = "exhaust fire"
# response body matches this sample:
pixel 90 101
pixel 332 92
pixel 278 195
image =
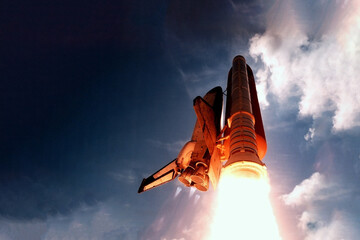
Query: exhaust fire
pixel 243 209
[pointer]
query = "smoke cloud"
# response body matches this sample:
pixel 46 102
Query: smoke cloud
pixel 320 69
pixel 306 191
pixel 318 199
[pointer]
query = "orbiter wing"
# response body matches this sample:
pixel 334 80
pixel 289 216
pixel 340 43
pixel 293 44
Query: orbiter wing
pixel 164 175
pixel 194 159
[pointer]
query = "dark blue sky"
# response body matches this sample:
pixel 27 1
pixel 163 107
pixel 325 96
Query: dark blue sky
pixel 96 95
pixel 83 88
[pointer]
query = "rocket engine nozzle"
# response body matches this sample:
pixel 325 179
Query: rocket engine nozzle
pixel 246 169
pixel 241 142
pixel 185 176
pixel 195 177
pixel 200 178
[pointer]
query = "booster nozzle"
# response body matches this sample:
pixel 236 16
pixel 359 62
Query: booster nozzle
pixel 246 169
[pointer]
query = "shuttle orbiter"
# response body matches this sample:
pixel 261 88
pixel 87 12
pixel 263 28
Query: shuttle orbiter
pixel 239 147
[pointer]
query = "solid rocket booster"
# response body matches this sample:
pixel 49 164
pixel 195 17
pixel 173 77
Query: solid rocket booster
pixel 247 144
pixel 241 143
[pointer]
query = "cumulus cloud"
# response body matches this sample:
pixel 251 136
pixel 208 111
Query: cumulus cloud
pixel 307 191
pixel 318 199
pixel 340 226
pixel 320 71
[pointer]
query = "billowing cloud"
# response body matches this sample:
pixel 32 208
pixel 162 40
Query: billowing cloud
pixel 318 199
pixel 307 191
pixel 339 226
pixel 320 70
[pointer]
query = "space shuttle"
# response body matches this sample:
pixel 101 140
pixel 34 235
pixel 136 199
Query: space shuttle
pixel 238 147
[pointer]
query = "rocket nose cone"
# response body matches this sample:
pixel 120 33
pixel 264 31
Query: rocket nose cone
pixel 238 57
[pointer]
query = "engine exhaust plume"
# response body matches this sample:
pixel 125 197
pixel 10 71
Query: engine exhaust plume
pixel 243 210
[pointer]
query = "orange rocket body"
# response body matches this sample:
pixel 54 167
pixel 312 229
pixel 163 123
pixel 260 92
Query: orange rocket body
pixel 239 147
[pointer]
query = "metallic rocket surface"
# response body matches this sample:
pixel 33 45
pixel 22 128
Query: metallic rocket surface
pixel 247 144
pixel 239 147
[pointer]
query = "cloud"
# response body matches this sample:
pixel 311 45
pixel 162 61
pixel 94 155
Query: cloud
pixel 315 189
pixel 307 191
pixel 339 226
pixel 182 217
pixel 309 136
pixel 97 223
pixel 13 230
pixel 321 72
pixel 322 216
pixel 90 223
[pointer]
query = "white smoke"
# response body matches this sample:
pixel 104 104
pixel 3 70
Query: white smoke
pixel 321 71
pixel 316 197
pixel 307 191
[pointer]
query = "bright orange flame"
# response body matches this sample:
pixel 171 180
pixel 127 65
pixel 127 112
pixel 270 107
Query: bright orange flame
pixel 243 210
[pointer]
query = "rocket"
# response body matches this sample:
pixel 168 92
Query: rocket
pixel 238 147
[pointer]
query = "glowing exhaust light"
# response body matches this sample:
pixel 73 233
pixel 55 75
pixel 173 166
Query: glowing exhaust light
pixel 243 210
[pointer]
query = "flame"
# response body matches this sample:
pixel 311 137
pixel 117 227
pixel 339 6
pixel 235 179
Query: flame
pixel 243 210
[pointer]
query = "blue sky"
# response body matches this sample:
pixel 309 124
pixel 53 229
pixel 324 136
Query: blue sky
pixel 96 95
